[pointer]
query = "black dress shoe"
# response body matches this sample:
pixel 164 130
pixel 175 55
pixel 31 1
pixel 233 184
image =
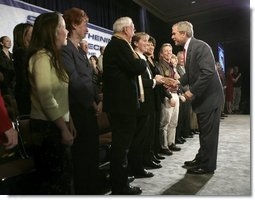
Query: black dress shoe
pixel 179 141
pixel 188 136
pixel 143 173
pixel 131 179
pixel 130 190
pixel 160 157
pixel 166 152
pixel 154 159
pixel 183 139
pixel 173 147
pixel 198 170
pixel 152 165
pixel 223 115
pixel 192 163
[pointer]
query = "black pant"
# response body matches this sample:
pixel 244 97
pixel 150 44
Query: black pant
pixel 208 123
pixel 150 138
pixel 140 140
pixel 85 152
pixel 123 129
pixel 183 127
pixel 52 159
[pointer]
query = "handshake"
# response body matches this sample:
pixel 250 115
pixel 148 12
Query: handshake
pixel 166 81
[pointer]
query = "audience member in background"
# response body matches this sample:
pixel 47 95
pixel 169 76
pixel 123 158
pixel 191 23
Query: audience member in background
pixel 121 100
pixel 8 135
pixel 205 93
pixel 50 124
pixel 85 104
pixel 174 62
pixel 223 82
pixel 154 141
pixel 7 73
pixel 237 89
pixel 84 46
pixel 100 58
pixel 139 153
pixel 229 90
pixel 97 73
pixel 21 38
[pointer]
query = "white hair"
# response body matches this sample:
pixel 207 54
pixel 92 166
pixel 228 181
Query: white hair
pixel 120 23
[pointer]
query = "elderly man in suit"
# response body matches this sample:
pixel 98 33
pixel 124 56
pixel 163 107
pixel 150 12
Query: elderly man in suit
pixel 121 100
pixel 205 93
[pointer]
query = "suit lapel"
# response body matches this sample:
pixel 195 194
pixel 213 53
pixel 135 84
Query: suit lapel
pixel 188 55
pixel 81 55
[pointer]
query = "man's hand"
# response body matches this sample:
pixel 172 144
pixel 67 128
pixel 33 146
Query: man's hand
pixel 182 98
pixel 170 82
pixel 188 95
pixel 159 79
pixel 172 102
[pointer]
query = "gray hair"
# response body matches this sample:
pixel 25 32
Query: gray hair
pixel 185 26
pixel 120 23
pixel 165 45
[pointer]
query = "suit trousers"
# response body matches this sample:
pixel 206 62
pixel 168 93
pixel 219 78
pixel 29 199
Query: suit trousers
pixel 209 123
pixel 85 152
pixel 183 127
pixel 140 139
pixel 123 130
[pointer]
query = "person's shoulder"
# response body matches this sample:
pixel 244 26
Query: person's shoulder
pixel 42 54
pixel 117 40
pixel 69 45
pixel 199 43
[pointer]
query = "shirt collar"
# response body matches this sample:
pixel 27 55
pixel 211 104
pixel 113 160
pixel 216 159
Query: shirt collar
pixel 187 44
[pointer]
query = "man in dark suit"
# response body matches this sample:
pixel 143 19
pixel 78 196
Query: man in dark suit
pixel 205 93
pixel 121 100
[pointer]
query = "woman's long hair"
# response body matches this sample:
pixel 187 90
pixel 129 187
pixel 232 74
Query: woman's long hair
pixel 44 37
pixel 19 32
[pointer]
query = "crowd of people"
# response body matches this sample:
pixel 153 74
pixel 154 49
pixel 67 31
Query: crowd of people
pixel 153 103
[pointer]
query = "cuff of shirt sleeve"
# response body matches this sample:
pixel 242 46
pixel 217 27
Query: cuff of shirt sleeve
pixel 154 83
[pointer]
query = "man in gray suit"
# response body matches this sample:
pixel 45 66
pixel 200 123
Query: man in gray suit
pixel 205 93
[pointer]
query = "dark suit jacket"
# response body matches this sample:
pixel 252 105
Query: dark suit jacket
pixel 120 78
pixel 148 106
pixel 82 91
pixel 157 89
pixel 202 77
